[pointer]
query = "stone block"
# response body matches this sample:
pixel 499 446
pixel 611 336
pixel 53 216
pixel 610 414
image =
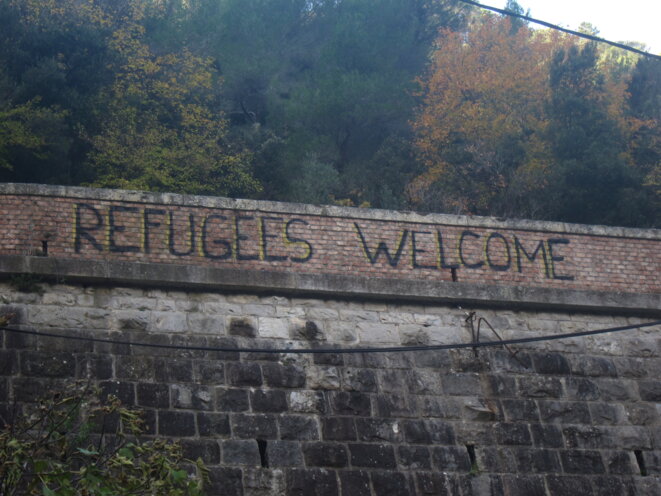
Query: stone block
pixel 209 372
pixel 377 430
pixel 392 483
pixel 268 401
pixel 317 481
pixel 394 405
pixel 215 425
pixel 284 454
pixel 536 460
pixel 620 462
pixel 259 426
pixel 173 370
pixel 300 427
pixel 323 454
pixel 176 424
pixel 191 396
pixel 650 391
pixel 607 413
pixel 124 391
pixel 99 367
pixel 351 403
pixel 169 322
pixel 243 327
pixel 200 323
pixel 244 374
pixel 153 395
pixel 587 437
pixel 513 434
pixel 324 377
pixel 137 368
pixel 273 328
pixel 414 458
pixel 355 483
pixel 307 402
pixel 430 431
pixel 564 484
pixel 581 389
pixel 381 456
pixel 582 462
pixel 462 384
pixel 41 364
pixel 377 333
pixel 564 412
pixel 539 387
pixel 240 452
pixel 550 363
pixel 424 381
pixel 206 450
pixel 338 429
pixel 617 390
pixel 328 359
pixel 523 485
pixel 433 483
pixel 8 362
pixel 232 400
pixel 520 410
pixel 592 366
pixel 632 437
pixel 263 482
pixel 451 459
pixel 284 376
pixel 641 413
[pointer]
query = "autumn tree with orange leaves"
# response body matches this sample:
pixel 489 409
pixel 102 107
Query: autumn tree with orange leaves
pixel 480 130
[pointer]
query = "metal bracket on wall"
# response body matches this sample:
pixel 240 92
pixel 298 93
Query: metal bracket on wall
pixel 475 334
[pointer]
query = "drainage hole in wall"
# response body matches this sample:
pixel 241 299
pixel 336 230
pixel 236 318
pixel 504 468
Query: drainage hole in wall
pixel 473 460
pixel 261 444
pixel 641 462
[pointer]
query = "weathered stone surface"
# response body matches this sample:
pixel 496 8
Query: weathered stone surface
pixel 372 456
pixel 254 426
pixel 325 455
pixel 177 424
pixel 298 427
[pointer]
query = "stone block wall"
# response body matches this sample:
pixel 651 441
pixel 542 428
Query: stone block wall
pixel 577 416
pixel 220 281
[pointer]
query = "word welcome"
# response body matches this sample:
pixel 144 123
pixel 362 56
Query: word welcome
pixel 497 252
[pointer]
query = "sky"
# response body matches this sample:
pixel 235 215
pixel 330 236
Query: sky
pixel 617 20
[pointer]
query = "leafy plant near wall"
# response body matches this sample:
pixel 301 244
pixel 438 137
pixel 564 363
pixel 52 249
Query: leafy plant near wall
pixel 64 446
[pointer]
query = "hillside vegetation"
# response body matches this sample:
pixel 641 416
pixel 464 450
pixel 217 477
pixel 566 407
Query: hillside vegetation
pixel 405 104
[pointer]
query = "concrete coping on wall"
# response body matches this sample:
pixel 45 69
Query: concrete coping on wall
pixel 323 210
pixel 200 278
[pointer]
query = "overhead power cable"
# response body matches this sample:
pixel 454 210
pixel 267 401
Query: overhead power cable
pixel 299 351
pixel 564 30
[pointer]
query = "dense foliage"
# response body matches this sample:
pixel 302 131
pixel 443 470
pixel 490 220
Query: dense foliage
pixel 424 104
pixel 74 443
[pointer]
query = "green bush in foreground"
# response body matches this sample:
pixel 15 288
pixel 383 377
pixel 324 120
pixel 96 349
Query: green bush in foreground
pixel 72 443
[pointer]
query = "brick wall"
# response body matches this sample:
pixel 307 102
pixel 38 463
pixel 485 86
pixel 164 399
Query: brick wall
pixel 560 417
pixel 82 224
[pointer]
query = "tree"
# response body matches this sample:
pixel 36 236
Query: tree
pixel 480 131
pixel 592 181
pixel 72 443
pixel 644 102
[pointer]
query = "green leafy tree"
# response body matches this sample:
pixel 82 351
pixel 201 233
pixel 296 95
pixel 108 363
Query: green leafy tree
pixel 592 181
pixel 71 443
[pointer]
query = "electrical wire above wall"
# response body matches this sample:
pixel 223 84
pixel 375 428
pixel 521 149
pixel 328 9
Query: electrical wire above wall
pixel 564 30
pixel 299 351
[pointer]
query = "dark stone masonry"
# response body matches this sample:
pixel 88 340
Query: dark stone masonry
pixel 580 415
